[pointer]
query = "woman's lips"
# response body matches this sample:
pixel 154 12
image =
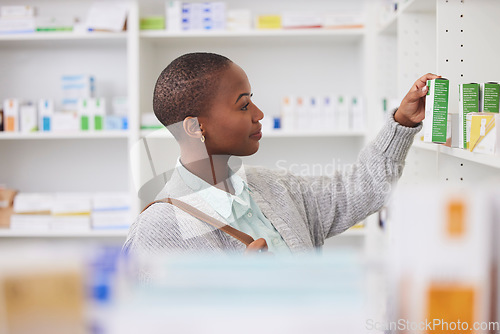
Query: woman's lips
pixel 257 135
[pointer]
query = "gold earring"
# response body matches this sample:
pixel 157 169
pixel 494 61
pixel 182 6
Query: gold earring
pixel 202 138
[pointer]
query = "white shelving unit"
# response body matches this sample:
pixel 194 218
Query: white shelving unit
pixel 456 38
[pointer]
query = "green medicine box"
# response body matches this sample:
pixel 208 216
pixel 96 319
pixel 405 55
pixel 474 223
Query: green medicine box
pixel 436 110
pixel 468 101
pixel 490 97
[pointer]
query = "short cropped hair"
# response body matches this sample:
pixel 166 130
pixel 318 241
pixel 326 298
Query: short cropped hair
pixel 187 86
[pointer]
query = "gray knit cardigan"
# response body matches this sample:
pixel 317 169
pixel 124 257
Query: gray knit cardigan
pixel 304 210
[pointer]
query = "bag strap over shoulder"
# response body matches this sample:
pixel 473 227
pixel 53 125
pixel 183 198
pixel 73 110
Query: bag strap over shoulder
pixel 237 234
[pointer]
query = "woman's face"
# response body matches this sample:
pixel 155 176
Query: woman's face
pixel 231 126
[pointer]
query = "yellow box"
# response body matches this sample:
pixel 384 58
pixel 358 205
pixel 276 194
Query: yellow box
pixel 484 136
pixel 268 22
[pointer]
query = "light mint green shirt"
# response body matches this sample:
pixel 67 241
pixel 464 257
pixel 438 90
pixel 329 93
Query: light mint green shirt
pixel 239 210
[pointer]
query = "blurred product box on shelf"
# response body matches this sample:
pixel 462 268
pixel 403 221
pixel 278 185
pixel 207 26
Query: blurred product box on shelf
pixel 107 16
pixel 45 112
pixel 239 20
pixel 11 115
pixel 111 211
pixel 436 110
pixel 46 24
pixel 71 211
pixel 1 120
pixel 28 117
pixel 203 16
pixel 301 20
pixel 42 290
pixel 65 122
pixel 92 112
pixel 75 87
pixel 357 114
pixel 17 12
pixel 448 281
pixel 343 20
pixel 490 97
pixel 17 19
pixel 327 113
pixel 173 15
pixel 468 101
pixel 6 206
pixel 342 114
pixel 32 212
pixel 113 122
pixel 152 23
pixel 150 122
pixel 268 22
pixel 484 133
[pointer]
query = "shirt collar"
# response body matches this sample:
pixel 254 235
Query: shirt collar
pixel 219 200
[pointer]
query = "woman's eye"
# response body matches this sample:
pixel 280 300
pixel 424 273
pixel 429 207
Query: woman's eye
pixel 244 108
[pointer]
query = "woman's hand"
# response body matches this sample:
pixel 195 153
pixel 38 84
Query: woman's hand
pixel 258 246
pixel 412 108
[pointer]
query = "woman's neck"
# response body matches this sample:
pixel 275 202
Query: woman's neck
pixel 214 170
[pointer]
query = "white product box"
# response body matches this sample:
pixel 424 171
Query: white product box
pixel 314 113
pixel 303 121
pixel 218 15
pixel 357 113
pixel 65 122
pixel 303 19
pixel 17 12
pixel 173 15
pixel 70 204
pixel 343 20
pixel 342 114
pixel 32 223
pixel 107 15
pixel 11 115
pixel 328 114
pixel 75 87
pixel 120 105
pixel 17 26
pixel 70 223
pixel 45 112
pixel 113 122
pixel 288 114
pixel 111 201
pixel 111 219
pixel 28 118
pixel 239 20
pixel 33 203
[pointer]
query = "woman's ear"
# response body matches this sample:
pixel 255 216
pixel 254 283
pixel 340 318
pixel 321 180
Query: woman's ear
pixel 192 127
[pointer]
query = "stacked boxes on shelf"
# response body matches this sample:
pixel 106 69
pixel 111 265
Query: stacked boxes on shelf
pixel 81 110
pixel 327 113
pixel 474 127
pixel 216 16
pixel 70 211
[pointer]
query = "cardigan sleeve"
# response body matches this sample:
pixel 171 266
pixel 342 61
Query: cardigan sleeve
pixel 331 204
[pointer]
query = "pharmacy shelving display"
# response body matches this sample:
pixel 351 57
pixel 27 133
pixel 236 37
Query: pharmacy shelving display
pixel 278 63
pixel 445 36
